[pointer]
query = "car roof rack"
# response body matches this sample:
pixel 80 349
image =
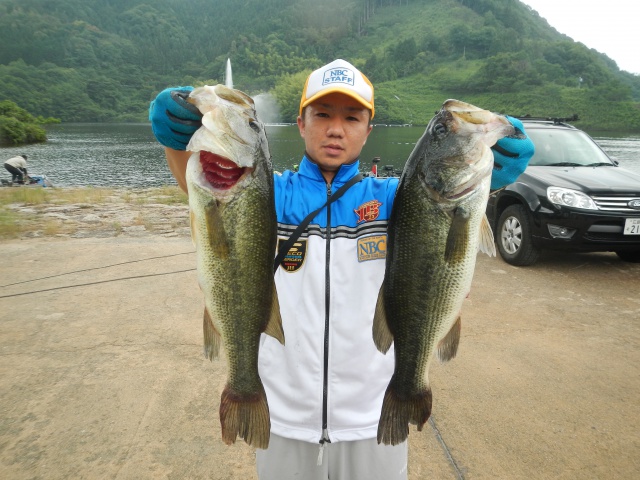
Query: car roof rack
pixel 555 120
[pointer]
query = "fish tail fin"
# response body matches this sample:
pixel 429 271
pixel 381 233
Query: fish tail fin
pixel 382 336
pixel 274 324
pixel 398 411
pixel 448 346
pixel 245 416
pixel 487 244
pixel 212 337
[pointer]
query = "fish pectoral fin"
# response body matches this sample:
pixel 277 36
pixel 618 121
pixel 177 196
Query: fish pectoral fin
pixel 212 339
pixel 448 346
pixel 458 236
pixel 382 336
pixel 274 324
pixel 216 235
pixel 487 244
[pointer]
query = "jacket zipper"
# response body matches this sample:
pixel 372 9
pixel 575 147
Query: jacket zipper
pixel 325 381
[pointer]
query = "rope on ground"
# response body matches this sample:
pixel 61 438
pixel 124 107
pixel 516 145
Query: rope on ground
pixel 95 283
pixel 95 268
pixel 447 452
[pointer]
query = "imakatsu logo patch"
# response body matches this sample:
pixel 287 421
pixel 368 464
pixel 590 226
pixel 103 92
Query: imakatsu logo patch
pixel 294 258
pixel 338 75
pixel 368 212
pixel 372 248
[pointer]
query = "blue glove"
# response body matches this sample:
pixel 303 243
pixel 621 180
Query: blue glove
pixel 511 156
pixel 173 119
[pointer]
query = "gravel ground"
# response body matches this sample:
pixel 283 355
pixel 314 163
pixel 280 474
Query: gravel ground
pixel 102 374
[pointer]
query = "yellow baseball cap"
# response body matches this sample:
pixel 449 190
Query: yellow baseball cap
pixel 338 76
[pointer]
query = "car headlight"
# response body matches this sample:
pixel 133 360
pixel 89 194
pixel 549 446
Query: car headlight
pixel 570 198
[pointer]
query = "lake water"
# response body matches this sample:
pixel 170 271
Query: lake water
pixel 127 155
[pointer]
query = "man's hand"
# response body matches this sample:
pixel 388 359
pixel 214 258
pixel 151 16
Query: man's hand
pixel 173 119
pixel 511 156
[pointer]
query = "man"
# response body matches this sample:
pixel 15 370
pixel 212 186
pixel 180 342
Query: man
pixel 17 167
pixel 325 387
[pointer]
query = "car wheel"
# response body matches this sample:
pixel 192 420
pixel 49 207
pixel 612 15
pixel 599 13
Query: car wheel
pixel 514 237
pixel 633 257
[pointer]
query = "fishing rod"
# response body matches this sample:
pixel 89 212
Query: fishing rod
pixel 94 283
pixel 94 268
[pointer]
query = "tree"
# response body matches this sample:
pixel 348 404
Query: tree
pixel 287 93
pixel 19 127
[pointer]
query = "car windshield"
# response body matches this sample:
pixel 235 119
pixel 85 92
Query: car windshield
pixel 565 148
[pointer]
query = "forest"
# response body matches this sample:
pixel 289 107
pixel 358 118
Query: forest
pixel 105 60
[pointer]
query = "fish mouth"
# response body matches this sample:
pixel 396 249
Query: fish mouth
pixel 220 172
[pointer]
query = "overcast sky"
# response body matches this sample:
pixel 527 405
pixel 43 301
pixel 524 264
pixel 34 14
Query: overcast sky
pixel 611 27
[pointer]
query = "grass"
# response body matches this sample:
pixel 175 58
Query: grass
pixel 52 196
pixel 14 225
pixel 171 196
pixel 9 225
pixel 167 195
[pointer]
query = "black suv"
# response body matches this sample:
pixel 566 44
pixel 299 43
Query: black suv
pixel 572 196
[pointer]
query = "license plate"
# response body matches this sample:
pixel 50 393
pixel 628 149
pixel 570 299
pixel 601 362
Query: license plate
pixel 632 226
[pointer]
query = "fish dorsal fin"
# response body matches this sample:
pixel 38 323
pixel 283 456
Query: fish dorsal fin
pixel 448 346
pixel 216 234
pixel 487 244
pixel 212 338
pixel 382 336
pixel 458 237
pixel 274 324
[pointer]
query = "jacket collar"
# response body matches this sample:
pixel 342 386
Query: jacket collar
pixel 310 169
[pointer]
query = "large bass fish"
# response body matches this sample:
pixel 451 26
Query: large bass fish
pixel 437 224
pixel 233 226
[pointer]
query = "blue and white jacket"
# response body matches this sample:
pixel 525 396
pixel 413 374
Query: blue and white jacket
pixel 328 381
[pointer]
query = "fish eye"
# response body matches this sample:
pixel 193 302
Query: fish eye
pixel 439 129
pixel 254 125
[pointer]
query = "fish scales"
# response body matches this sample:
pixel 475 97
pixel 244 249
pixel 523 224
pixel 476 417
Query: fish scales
pixel 233 226
pixel 434 231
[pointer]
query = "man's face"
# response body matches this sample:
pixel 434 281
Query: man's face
pixel 334 128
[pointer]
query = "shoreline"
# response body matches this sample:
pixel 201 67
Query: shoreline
pixel 81 212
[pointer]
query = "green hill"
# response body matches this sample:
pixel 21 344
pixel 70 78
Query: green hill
pixel 104 60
